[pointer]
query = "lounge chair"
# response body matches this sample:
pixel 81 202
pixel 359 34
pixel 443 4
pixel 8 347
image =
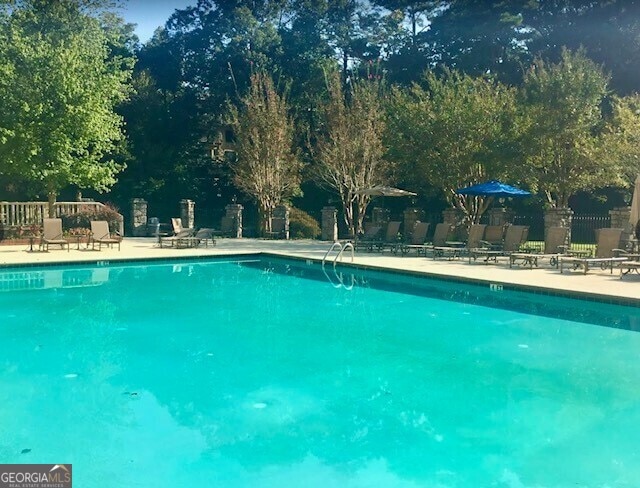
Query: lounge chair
pixel 493 237
pixel 390 240
pixel 441 235
pixel 370 237
pixel 417 240
pixel 176 224
pixel 514 237
pixel 607 252
pixel 627 267
pixel 555 245
pixel 177 239
pixel 476 233
pixel 179 234
pixel 52 234
pixel 100 234
pixel 203 235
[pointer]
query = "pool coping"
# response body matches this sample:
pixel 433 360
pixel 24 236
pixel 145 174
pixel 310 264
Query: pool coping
pixel 538 290
pixel 494 285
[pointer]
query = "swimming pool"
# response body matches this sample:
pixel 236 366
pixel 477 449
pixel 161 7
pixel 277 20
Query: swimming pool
pixel 266 372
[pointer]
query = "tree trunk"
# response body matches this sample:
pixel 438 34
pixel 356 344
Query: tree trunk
pixel 413 28
pixel 348 218
pixel 345 68
pixel 52 202
pixel 264 219
pixel 363 203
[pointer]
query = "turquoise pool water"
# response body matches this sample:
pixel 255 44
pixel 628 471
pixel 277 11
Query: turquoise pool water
pixel 267 374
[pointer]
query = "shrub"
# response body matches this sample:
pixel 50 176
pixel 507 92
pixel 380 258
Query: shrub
pixel 302 225
pixel 83 218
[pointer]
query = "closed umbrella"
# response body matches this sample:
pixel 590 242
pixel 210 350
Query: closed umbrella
pixel 635 206
pixel 385 191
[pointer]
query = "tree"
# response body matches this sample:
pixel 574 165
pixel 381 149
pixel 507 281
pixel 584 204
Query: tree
pixel 620 141
pixel 266 167
pixel 349 152
pixel 607 31
pixel 563 106
pixel 480 37
pixel 61 81
pixel 406 29
pixel 459 131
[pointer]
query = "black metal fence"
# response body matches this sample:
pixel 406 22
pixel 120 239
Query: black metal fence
pixel 535 223
pixel 583 228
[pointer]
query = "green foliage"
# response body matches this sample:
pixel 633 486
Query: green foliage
pixel 460 130
pixel 607 31
pixel 60 82
pixel 302 225
pixel 620 141
pixel 205 56
pixel 82 219
pixel 562 111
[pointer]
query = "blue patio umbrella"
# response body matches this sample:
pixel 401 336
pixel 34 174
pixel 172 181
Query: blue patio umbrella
pixel 493 188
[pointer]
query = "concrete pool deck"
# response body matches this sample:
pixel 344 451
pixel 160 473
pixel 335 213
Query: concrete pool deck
pixel 597 283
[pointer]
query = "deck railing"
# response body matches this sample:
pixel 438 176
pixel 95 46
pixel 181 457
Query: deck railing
pixel 18 214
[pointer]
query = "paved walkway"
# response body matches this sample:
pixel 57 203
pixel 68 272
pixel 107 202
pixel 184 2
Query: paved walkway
pixel 597 283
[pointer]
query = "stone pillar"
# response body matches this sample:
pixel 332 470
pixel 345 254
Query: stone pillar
pixel 620 220
pixel 410 216
pixel 121 225
pixel 380 216
pixel 282 212
pixel 329 224
pixel 451 216
pixel 558 217
pixel 500 216
pixel 138 217
pixel 188 213
pixel 233 211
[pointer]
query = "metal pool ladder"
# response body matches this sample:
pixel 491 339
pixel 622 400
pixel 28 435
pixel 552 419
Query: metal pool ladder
pixel 339 278
pixel 341 248
pixel 338 275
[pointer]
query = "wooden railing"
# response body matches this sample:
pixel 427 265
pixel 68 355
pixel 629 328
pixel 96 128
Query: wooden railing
pixel 17 214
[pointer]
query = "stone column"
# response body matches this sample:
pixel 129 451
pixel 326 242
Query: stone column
pixel 620 220
pixel 121 225
pixel 451 216
pixel 188 213
pixel 138 217
pixel 500 216
pixel 380 216
pixel 233 211
pixel 410 216
pixel 329 224
pixel 282 212
pixel 558 217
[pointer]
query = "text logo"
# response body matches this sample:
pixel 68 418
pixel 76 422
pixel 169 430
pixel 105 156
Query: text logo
pixel 35 476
